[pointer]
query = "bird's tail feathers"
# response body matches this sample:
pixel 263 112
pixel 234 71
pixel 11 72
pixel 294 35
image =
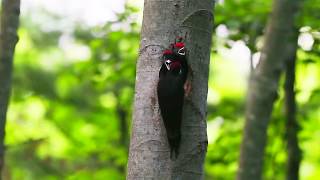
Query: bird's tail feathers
pixel 174 143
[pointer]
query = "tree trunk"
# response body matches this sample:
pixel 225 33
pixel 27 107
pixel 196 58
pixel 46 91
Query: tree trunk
pixel 263 87
pixel 122 115
pixel 149 151
pixel 294 152
pixel 8 39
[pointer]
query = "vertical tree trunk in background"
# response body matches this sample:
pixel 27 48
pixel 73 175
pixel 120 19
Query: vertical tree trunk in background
pixel 263 87
pixel 122 115
pixel 123 125
pixel 149 153
pixel 294 152
pixel 8 39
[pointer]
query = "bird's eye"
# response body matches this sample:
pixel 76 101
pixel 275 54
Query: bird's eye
pixel 182 51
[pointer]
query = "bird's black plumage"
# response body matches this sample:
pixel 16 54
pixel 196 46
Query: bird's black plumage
pixel 172 76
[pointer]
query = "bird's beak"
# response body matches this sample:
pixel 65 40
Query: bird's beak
pixel 167 63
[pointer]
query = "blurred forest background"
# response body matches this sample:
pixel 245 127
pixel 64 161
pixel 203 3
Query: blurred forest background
pixel 74 73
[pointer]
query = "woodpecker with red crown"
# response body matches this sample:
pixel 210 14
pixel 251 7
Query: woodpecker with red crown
pixel 171 92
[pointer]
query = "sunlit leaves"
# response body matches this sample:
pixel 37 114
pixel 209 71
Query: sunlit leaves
pixel 64 106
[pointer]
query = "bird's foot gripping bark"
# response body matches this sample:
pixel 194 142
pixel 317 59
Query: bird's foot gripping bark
pixel 174 143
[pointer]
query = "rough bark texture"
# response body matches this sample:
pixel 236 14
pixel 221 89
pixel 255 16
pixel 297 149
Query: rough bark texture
pixel 8 39
pixel 294 151
pixel 149 151
pixel 263 87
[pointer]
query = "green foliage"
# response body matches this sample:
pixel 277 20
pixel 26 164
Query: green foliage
pixel 245 21
pixel 64 119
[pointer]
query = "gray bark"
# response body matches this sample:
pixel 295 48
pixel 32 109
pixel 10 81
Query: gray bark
pixel 292 127
pixel 149 151
pixel 263 87
pixel 8 39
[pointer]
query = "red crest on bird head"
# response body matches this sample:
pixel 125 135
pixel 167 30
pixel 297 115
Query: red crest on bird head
pixel 179 45
pixel 167 52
